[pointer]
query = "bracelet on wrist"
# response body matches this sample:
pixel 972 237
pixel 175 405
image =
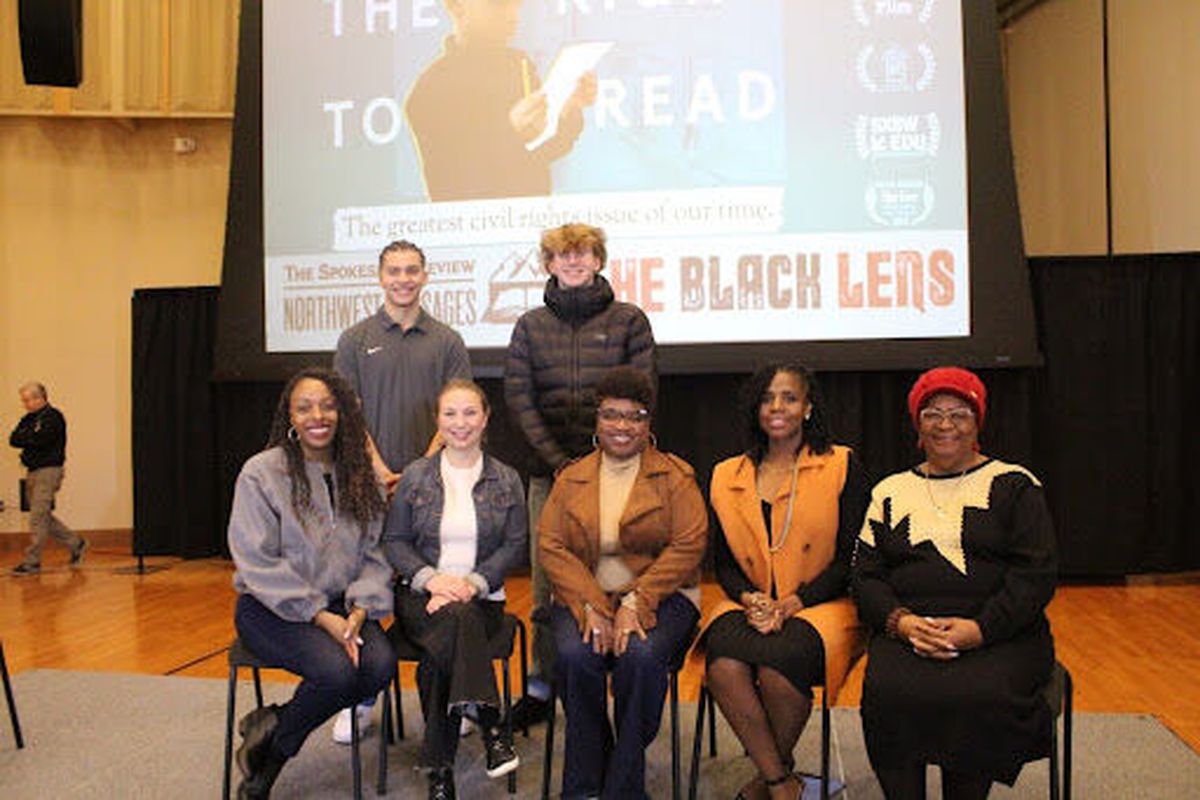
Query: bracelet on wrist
pixel 892 627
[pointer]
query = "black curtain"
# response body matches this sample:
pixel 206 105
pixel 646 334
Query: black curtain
pixel 175 509
pixel 1101 422
pixel 1120 461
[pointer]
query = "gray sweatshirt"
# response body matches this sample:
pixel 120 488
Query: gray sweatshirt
pixel 296 565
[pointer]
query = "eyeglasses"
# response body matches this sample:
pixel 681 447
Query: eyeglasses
pixel 959 417
pixel 632 417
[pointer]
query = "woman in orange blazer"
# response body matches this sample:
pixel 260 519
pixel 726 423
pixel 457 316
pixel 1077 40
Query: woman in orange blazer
pixel 789 510
pixel 621 539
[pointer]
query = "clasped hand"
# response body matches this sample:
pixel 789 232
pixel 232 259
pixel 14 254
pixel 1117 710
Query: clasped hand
pixel 445 589
pixel 766 614
pixel 344 630
pixel 611 636
pixel 943 638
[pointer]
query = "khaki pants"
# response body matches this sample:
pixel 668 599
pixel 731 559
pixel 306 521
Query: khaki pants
pixel 41 486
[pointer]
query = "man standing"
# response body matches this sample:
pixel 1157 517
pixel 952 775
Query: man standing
pixel 556 355
pixel 42 436
pixel 397 361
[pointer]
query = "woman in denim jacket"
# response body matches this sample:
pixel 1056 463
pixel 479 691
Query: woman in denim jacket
pixel 456 527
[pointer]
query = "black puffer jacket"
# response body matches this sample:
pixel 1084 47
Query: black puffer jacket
pixel 557 354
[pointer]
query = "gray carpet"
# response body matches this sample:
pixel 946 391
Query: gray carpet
pixel 99 735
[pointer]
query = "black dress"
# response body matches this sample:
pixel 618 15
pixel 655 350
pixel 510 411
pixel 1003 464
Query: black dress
pixel 979 545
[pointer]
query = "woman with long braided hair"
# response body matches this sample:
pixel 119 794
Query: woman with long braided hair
pixel 311 578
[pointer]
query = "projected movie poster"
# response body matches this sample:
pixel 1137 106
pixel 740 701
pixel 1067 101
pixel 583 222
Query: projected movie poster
pixel 765 169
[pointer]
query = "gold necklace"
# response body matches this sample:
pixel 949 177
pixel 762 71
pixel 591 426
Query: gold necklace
pixel 787 518
pixel 940 510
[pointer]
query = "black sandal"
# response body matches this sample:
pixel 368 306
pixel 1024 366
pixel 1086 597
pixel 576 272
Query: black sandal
pixel 784 778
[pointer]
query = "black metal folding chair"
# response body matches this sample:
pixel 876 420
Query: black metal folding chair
pixel 708 707
pixel 240 657
pixel 1060 696
pixel 12 703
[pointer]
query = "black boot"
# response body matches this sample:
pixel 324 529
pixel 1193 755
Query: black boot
pixel 441 784
pixel 256 729
pixel 258 786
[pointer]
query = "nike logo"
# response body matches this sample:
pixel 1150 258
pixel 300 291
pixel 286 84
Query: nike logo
pixel 373 350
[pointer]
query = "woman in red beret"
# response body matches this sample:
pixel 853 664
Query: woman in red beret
pixel 954 567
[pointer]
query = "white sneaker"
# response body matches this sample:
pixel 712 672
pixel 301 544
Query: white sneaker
pixel 341 724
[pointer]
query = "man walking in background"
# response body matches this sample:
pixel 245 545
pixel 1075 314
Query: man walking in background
pixel 42 437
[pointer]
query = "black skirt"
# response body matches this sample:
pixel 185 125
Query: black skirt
pixel 796 651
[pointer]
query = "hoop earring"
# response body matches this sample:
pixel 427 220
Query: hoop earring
pixel 653 440
pixel 293 435
pixel 595 442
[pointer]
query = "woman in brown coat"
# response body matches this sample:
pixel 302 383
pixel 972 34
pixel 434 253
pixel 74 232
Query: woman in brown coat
pixel 621 540
pixel 789 509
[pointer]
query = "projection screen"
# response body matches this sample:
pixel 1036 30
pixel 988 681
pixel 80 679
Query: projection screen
pixel 768 172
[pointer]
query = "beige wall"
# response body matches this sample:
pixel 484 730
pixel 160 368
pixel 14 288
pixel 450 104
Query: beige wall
pixel 1155 64
pixel 89 211
pixel 1055 76
pixel 1054 67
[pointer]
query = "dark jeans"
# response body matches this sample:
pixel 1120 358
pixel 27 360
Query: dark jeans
pixel 595 764
pixel 330 682
pixel 455 666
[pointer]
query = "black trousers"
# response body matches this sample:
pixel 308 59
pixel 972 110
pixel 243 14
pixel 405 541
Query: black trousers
pixel 455 668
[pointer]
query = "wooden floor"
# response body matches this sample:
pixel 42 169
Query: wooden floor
pixel 1130 648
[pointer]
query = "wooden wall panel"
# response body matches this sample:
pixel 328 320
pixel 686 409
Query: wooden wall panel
pixel 1154 60
pixel 1056 107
